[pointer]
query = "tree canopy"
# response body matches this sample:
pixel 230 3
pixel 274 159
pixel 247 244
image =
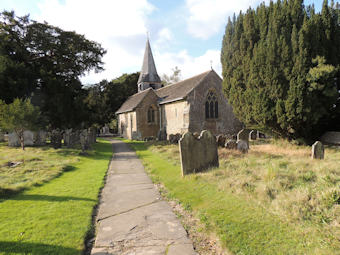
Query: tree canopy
pixel 281 68
pixel 44 62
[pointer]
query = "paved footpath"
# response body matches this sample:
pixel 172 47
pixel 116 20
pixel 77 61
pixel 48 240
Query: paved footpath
pixel 132 217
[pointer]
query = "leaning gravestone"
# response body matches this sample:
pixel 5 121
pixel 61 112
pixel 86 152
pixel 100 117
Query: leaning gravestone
pixel 231 145
pixel 198 154
pixel 253 135
pixel 13 140
pixel 220 139
pixel 244 136
pixel 318 151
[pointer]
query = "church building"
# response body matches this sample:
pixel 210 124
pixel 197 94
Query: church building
pixel 194 104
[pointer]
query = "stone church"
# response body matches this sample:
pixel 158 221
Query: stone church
pixel 194 104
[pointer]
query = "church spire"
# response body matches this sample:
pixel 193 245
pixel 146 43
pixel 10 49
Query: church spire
pixel 148 76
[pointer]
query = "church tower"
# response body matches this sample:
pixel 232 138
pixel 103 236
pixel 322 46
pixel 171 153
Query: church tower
pixel 148 75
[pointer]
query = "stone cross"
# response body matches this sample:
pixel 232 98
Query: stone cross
pixel 318 151
pixel 198 154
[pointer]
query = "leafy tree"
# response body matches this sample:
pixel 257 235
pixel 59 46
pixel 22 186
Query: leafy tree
pixel 173 78
pixel 281 68
pixel 18 117
pixel 105 98
pixel 44 62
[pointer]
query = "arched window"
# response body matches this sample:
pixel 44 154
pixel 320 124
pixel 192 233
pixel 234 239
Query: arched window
pixel 151 115
pixel 211 106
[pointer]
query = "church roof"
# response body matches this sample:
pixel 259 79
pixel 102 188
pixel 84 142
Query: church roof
pixel 179 90
pixel 148 72
pixel 167 94
pixel 133 101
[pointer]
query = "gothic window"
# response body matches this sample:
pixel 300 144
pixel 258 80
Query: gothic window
pixel 151 115
pixel 211 106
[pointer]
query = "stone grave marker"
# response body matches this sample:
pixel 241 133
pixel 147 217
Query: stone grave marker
pixel 198 154
pixel 28 138
pixel 242 146
pixel 318 151
pixel 220 139
pixel 231 145
pixel 244 136
pixel 253 135
pixel 39 138
pixel 13 140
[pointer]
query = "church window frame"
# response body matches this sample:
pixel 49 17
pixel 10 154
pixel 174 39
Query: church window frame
pixel 151 115
pixel 211 105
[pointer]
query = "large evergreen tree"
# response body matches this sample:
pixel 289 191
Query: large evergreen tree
pixel 281 68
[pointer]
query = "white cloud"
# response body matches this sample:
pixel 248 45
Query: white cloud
pixel 188 65
pixel 119 26
pixel 208 17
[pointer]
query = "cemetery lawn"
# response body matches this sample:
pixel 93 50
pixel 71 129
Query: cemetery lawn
pixel 273 200
pixel 55 217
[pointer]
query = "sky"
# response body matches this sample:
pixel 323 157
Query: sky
pixel 183 33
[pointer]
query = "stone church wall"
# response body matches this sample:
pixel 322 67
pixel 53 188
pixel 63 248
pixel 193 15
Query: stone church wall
pixel 226 123
pixel 127 125
pixel 144 128
pixel 175 117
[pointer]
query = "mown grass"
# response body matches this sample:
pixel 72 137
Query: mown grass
pixel 274 200
pixel 55 218
pixel 37 165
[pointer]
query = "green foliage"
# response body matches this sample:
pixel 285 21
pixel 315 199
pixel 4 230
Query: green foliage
pixel 19 116
pixel 44 62
pixel 281 68
pixel 105 98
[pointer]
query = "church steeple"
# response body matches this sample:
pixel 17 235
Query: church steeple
pixel 148 75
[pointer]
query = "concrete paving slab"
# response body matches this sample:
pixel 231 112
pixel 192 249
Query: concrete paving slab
pixel 132 217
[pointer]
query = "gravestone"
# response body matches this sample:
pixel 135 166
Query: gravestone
pixel 318 151
pixel 244 136
pixel 196 134
pixel 39 138
pixel 242 146
pixel 162 134
pixel 253 135
pixel 2 137
pixel 220 139
pixel 67 137
pixel 13 140
pixel 28 138
pixel 56 137
pixel 231 145
pixel 174 138
pixel 92 134
pixel 84 140
pixel 198 154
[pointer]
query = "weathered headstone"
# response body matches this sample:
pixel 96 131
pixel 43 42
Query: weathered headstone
pixel 244 136
pixel 242 146
pixel 39 138
pixel 220 139
pixel 92 134
pixel 13 140
pixel 231 145
pixel 28 138
pixel 198 154
pixel 253 135
pixel 56 137
pixel 174 138
pixel 162 135
pixel 2 137
pixel 318 151
pixel 85 140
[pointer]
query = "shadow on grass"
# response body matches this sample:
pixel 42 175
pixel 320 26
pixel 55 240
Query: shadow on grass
pixel 25 197
pixel 34 248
